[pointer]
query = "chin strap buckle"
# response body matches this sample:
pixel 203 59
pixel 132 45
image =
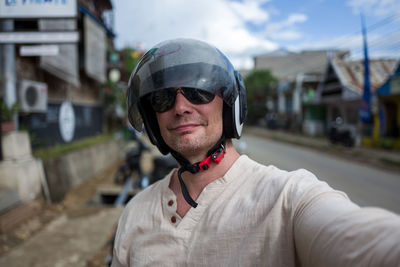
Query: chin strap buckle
pixel 203 165
pixel 217 156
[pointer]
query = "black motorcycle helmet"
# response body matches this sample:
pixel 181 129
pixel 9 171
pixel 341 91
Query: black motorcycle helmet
pixel 185 63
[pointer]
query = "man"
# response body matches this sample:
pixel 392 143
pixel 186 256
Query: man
pixel 222 209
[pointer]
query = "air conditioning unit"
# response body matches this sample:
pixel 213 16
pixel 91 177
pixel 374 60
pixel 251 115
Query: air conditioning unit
pixel 32 96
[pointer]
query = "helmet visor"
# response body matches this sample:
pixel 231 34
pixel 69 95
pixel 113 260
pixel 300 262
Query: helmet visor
pixel 203 76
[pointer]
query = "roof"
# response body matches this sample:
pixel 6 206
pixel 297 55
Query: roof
pixel 287 65
pixel 108 30
pixel 351 73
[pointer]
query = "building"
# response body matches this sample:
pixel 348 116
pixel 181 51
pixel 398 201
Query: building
pixel 387 115
pixel 54 62
pixel 59 85
pixel 299 75
pixel 342 85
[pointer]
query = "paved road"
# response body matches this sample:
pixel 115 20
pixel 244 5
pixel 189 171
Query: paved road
pixel 364 185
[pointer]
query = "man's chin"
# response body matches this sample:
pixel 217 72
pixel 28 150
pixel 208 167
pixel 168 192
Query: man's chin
pixel 186 144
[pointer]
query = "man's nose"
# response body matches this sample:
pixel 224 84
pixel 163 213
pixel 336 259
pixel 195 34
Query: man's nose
pixel 182 105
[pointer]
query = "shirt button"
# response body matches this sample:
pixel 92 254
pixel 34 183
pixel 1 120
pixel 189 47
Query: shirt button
pixel 170 203
pixel 173 219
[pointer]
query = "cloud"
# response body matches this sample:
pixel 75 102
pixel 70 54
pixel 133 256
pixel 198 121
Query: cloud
pixel 219 22
pixel 286 29
pixel 349 42
pixel 250 11
pixel 374 7
pixel 379 45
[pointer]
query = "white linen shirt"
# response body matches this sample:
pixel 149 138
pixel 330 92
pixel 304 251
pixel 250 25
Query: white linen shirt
pixel 256 215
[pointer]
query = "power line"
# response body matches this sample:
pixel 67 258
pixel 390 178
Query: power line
pixel 344 40
pixel 383 22
pixel 382 44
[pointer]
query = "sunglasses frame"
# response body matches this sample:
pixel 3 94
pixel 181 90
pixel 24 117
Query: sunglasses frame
pixel 193 95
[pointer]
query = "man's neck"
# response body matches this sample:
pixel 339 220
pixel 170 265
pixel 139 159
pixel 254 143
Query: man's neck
pixel 195 183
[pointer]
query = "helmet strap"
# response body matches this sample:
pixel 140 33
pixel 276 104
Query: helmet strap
pixel 215 154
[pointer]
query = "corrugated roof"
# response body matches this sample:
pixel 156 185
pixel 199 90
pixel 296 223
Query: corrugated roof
pixel 351 73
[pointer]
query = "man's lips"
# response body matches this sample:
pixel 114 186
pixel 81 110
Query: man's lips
pixel 184 127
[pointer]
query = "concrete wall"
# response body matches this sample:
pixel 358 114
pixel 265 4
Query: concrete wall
pixel 24 177
pixel 69 170
pixel 21 174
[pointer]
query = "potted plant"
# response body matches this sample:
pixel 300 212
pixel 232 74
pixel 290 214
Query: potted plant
pixel 6 116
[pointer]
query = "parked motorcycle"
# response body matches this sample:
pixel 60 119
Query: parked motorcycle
pixel 339 133
pixel 162 166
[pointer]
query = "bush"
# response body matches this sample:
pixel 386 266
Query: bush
pixel 260 85
pixel 59 149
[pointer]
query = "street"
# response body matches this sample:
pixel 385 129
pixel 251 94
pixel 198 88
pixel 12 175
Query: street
pixel 364 185
pixel 88 227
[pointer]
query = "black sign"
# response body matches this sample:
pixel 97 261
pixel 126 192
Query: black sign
pixel 44 127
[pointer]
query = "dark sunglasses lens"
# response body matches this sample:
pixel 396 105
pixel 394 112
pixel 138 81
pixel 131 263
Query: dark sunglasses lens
pixel 162 100
pixel 197 96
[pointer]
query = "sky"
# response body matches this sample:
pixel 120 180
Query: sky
pixel 243 29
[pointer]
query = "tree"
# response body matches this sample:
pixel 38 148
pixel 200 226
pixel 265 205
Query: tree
pixel 260 85
pixel 131 57
pixel 115 91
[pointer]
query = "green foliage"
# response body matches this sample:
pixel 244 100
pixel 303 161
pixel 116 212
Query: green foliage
pixel 114 94
pixel 114 99
pixel 131 57
pixel 59 149
pixel 260 85
pixel 7 113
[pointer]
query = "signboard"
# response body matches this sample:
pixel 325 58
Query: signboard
pixel 38 8
pixel 39 50
pixel 38 37
pixel 95 50
pixel 88 121
pixel 66 121
pixel 65 64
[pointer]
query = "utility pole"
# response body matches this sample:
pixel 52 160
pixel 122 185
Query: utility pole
pixel 8 68
pixel 365 109
pixel 8 72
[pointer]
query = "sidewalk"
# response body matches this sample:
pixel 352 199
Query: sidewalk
pixel 69 240
pixel 388 160
pixel 75 232
pixel 76 235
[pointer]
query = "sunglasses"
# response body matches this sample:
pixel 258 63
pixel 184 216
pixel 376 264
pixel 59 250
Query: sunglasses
pixel 163 100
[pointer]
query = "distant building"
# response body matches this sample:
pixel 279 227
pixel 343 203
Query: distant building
pixel 341 87
pixel 287 65
pixel 299 75
pixel 387 113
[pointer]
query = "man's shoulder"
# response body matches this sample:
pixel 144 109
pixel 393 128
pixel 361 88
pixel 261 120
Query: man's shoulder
pixel 270 174
pixel 250 166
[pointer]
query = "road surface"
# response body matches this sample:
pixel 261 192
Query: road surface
pixel 364 185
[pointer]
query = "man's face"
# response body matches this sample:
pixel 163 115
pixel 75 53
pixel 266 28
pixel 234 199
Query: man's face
pixel 191 129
